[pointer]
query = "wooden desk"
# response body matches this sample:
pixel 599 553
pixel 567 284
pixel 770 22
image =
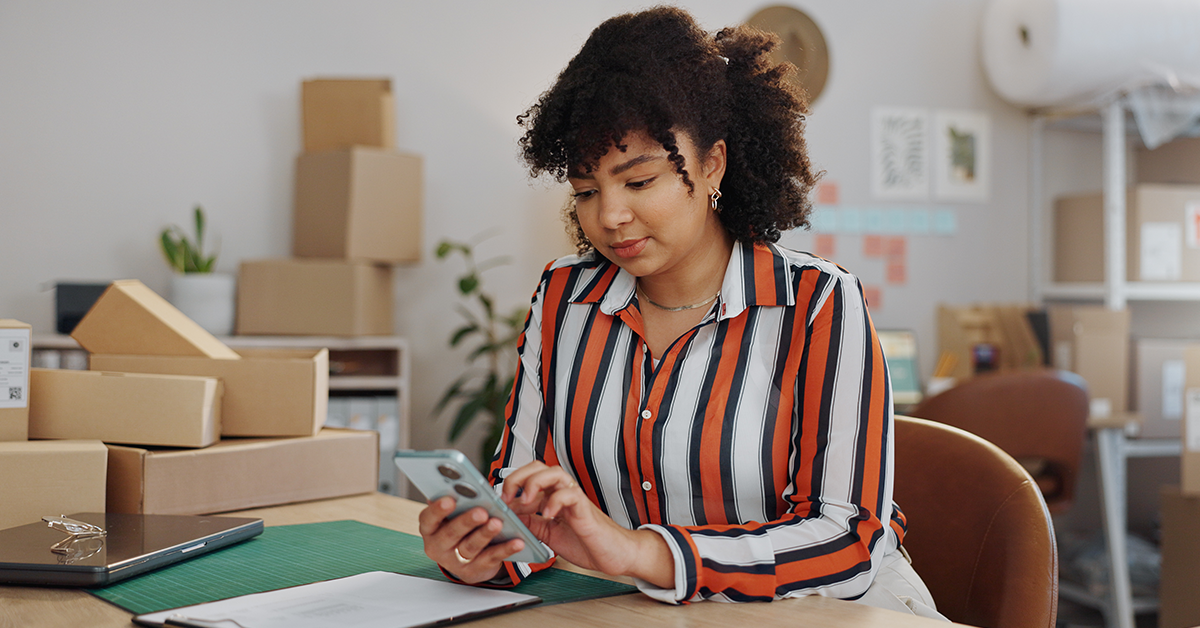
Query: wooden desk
pixel 37 607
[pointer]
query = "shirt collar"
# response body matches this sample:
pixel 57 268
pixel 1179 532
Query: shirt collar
pixel 757 274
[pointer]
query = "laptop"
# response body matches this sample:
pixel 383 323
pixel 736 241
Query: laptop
pixel 74 553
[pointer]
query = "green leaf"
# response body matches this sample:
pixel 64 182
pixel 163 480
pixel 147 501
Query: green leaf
pixel 171 251
pixel 443 249
pixel 453 391
pixel 466 414
pixel 468 284
pixel 462 332
pixel 199 230
pixel 487 306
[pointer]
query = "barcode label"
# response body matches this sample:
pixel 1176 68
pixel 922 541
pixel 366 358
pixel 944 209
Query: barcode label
pixel 14 367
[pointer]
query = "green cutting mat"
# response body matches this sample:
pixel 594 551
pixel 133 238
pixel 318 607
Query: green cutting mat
pixel 286 556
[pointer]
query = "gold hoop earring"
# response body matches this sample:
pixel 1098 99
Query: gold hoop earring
pixel 713 198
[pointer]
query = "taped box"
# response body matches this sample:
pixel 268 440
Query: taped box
pixel 15 342
pixel 53 477
pixel 1162 235
pixel 315 297
pixel 1093 341
pixel 242 473
pixel 358 204
pixel 1190 460
pixel 340 113
pixel 130 318
pixel 133 408
pixel 268 392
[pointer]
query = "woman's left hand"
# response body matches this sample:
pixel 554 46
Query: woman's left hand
pixel 558 512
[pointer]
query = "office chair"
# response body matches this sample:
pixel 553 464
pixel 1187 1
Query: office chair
pixel 1037 416
pixel 979 533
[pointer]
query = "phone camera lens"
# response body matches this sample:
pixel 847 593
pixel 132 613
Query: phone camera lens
pixel 465 491
pixel 449 472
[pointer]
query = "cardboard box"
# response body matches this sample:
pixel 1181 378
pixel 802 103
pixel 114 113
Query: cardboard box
pixel 132 408
pixel 15 359
pixel 1190 460
pixel 1093 341
pixel 1177 162
pixel 314 297
pixel 359 204
pixel 130 318
pixel 242 473
pixel 1162 235
pixel 1159 380
pixel 50 478
pixel 340 113
pixel 1179 583
pixel 269 392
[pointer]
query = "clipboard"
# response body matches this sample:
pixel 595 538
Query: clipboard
pixel 375 599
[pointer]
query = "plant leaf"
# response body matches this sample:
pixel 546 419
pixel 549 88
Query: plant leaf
pixel 453 391
pixel 466 414
pixel 171 251
pixel 462 332
pixel 487 306
pixel 443 249
pixel 199 230
pixel 467 284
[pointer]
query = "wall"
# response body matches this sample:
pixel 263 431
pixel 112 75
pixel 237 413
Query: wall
pixel 116 118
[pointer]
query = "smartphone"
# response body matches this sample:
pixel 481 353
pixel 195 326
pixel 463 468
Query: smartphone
pixel 443 472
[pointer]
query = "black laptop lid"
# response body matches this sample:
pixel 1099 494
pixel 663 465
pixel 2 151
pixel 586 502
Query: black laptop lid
pixel 38 554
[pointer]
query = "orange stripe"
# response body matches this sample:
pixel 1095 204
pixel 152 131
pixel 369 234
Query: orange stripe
pixel 781 440
pixel 814 380
pixel 714 420
pixel 589 368
pixel 764 274
pixel 555 289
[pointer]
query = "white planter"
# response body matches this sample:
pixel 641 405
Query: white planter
pixel 207 298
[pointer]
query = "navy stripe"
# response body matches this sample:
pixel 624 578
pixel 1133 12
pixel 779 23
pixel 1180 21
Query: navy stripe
pixel 695 457
pixel 729 421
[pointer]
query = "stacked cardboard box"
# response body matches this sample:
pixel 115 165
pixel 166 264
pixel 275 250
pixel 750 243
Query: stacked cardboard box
pixel 1162 235
pixel 164 403
pixel 357 212
pixel 39 477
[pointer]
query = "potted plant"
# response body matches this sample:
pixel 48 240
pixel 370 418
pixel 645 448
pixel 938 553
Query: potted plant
pixel 483 389
pixel 204 296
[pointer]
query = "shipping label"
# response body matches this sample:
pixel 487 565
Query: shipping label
pixel 14 368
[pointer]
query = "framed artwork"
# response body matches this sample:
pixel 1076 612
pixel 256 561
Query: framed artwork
pixel 962 149
pixel 900 153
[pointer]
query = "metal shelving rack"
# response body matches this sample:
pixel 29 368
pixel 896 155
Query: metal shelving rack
pixel 1113 447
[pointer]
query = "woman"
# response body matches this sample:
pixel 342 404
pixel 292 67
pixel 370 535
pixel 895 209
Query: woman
pixel 694 406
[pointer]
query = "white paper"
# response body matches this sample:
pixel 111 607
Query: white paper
pixel 14 368
pixel 1174 375
pixel 1191 428
pixel 900 153
pixel 376 599
pixel 1162 251
pixel 961 156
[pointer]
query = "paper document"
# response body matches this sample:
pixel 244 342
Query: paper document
pixel 376 599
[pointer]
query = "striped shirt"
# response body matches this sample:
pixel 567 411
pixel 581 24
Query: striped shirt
pixel 759 446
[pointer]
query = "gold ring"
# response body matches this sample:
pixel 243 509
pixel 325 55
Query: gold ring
pixel 460 557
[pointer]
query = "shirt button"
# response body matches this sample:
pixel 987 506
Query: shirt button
pixel 646 485
pixel 647 414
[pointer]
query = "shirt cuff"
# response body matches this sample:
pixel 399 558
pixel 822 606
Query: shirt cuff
pixel 669 596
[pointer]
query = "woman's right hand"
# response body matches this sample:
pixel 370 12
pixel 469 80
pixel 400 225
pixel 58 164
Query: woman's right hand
pixel 460 545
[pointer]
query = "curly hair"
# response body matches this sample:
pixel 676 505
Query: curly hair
pixel 658 72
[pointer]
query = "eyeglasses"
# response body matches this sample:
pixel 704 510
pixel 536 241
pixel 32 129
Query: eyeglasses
pixel 74 527
pixel 83 539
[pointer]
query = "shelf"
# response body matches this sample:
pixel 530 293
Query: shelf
pixel 1134 291
pixel 366 382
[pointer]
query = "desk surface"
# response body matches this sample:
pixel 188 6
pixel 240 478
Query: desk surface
pixel 37 607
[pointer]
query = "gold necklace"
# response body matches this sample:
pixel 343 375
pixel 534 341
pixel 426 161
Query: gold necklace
pixel 681 307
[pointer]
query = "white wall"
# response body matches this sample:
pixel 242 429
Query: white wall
pixel 117 117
